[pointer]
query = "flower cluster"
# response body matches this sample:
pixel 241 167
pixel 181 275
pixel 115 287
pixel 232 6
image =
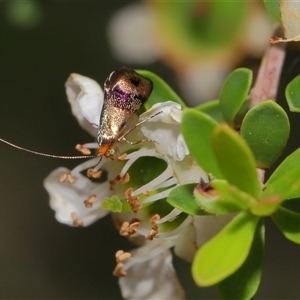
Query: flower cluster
pixel 139 182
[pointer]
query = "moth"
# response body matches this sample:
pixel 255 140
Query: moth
pixel 125 91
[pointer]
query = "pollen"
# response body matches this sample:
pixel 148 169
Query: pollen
pixel 122 156
pixel 67 177
pixel 76 220
pixel 133 201
pixel 119 180
pixel 84 150
pixel 89 202
pixel 121 257
pixel 129 228
pixel 91 173
pixel 154 227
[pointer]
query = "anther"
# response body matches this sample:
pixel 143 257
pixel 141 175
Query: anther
pixel 121 256
pixel 133 201
pixel 91 173
pixel 67 177
pixel 129 228
pixel 122 156
pixel 154 227
pixel 119 180
pixel 82 149
pixel 76 220
pixel 89 202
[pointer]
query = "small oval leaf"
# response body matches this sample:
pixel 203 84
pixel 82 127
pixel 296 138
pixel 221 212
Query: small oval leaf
pixel 197 128
pixel 292 94
pixel 225 252
pixel 266 129
pixel 212 108
pixel 235 160
pixel 290 162
pixel 286 186
pixel 244 283
pixel 234 93
pixel 289 223
pixel 161 90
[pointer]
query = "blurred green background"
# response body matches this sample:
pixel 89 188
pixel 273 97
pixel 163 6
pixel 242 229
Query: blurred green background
pixel 40 258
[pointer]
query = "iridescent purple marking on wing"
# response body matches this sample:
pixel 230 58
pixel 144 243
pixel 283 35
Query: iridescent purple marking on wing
pixel 125 92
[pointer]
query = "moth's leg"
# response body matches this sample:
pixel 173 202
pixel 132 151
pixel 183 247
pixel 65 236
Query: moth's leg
pixel 138 142
pixel 122 137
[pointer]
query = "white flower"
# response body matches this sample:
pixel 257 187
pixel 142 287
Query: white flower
pixel 68 200
pixel 77 200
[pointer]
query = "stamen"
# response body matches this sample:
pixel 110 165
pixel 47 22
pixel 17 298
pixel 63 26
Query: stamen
pixel 153 183
pixel 122 156
pixel 132 157
pixel 121 256
pixel 91 145
pixel 157 196
pixel 118 271
pixel 67 177
pixel 154 227
pixel 76 220
pixel 86 165
pixel 148 251
pixel 119 180
pixel 176 231
pixel 133 201
pixel 171 216
pixel 84 150
pixel 169 182
pixel 91 173
pixel 89 202
pixel 129 228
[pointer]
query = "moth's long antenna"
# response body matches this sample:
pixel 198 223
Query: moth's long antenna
pixel 45 154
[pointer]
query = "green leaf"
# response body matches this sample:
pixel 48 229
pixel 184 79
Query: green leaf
pixel 212 108
pixel 222 198
pixel 234 93
pixel 244 283
pixel 113 204
pixel 266 129
pixel 289 223
pixel 292 94
pixel 196 27
pixel 273 9
pixel 225 252
pixel 182 198
pixel 197 128
pixel 235 160
pixel 266 207
pixel 286 186
pixel 290 162
pixel 161 90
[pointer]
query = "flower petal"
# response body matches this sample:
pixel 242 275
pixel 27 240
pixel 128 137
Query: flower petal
pixel 152 279
pixel 185 246
pixel 165 130
pixel 67 199
pixel 208 226
pixel 86 99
